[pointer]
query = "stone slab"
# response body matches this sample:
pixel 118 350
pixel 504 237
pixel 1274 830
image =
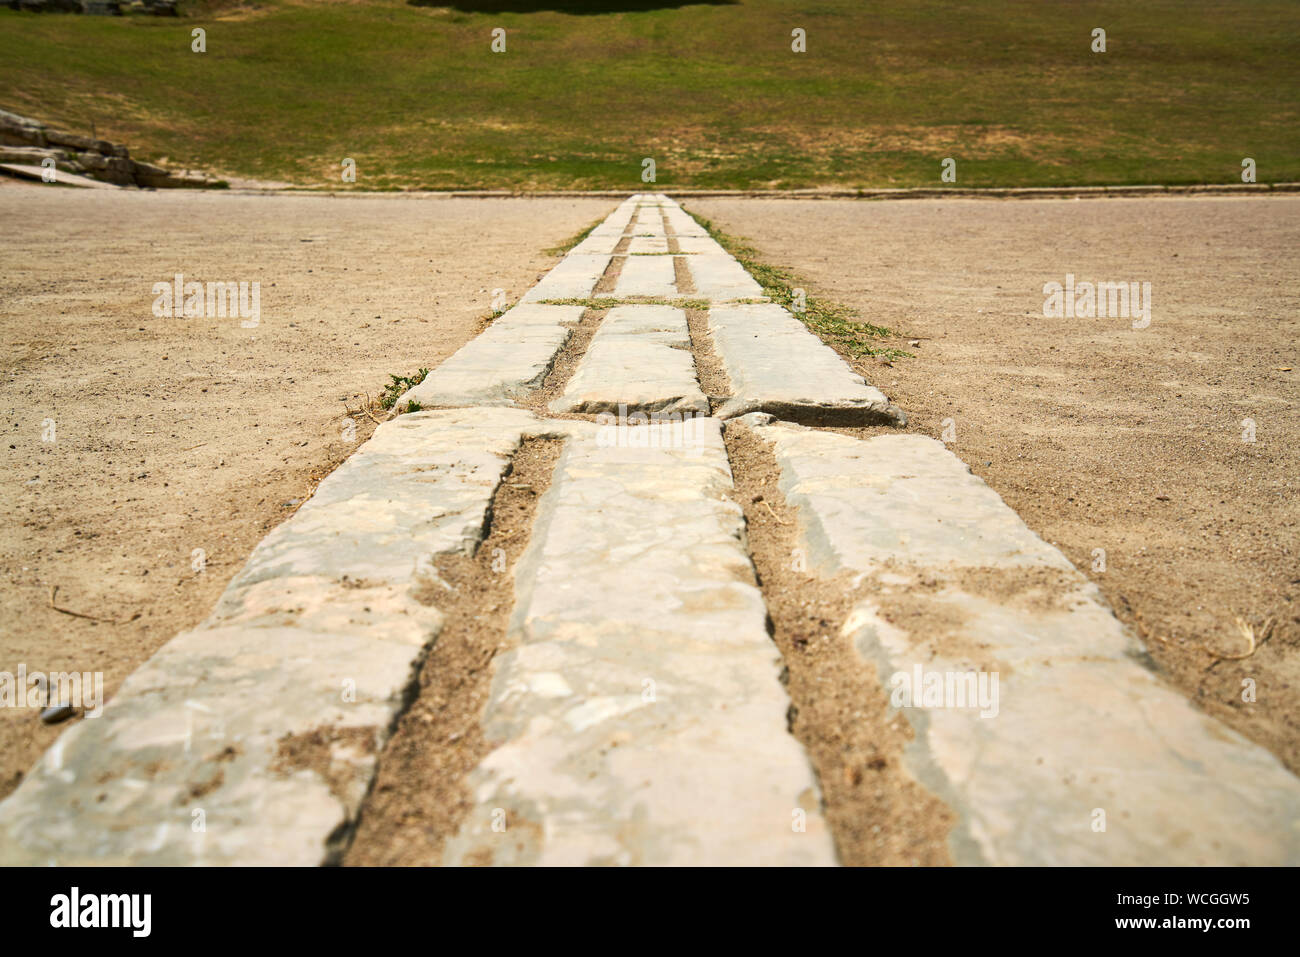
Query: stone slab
pixel 502 364
pixel 615 224
pixel 602 243
pixel 682 223
pixel 639 360
pixel 700 245
pixel 1081 727
pixel 776 365
pixel 646 276
pixel 320 632
pixel 719 278
pixel 648 222
pixel 62 177
pixel 648 244
pixel 574 277
pixel 923 504
pixel 641 719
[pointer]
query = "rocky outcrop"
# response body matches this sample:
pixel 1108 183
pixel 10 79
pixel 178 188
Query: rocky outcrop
pixel 26 142
pixel 46 6
pixel 103 8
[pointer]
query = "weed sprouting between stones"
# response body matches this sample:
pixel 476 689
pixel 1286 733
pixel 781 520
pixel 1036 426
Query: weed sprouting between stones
pixel 833 323
pixel 572 241
pixel 400 384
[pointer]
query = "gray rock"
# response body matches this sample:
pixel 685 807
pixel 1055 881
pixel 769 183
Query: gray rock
pixel 319 634
pixel 1087 757
pixel 574 277
pixel 640 720
pixel 57 713
pixel 18 130
pixel 638 361
pixel 776 365
pixel 71 140
pixel 720 277
pixel 646 276
pixel 501 365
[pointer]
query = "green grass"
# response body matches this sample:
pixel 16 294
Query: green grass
pixel 398 386
pixel 1009 88
pixel 835 324
pixel 573 240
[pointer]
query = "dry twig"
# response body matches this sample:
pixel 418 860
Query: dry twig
pixel 77 614
pixel 1252 642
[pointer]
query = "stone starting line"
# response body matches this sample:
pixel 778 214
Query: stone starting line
pixel 636 713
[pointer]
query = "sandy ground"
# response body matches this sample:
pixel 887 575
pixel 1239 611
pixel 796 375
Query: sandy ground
pixel 172 434
pixel 1102 436
pixel 420 796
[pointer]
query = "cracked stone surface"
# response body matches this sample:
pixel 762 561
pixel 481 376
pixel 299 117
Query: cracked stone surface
pixel 637 716
pixel 598 243
pixel 505 362
pixel 646 276
pixel 648 222
pixel 683 224
pixel 320 631
pixel 640 360
pixel 775 365
pixel 648 244
pixel 640 720
pixel 1081 725
pixel 574 277
pixel 700 245
pixel 721 278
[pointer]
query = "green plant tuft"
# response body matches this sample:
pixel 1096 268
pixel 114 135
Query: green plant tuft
pixel 399 385
pixel 834 324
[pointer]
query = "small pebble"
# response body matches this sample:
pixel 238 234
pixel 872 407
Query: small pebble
pixel 57 713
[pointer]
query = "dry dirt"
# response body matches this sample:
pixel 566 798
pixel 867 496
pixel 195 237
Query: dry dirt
pixel 839 710
pixel 1102 436
pixel 172 435
pixel 420 794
